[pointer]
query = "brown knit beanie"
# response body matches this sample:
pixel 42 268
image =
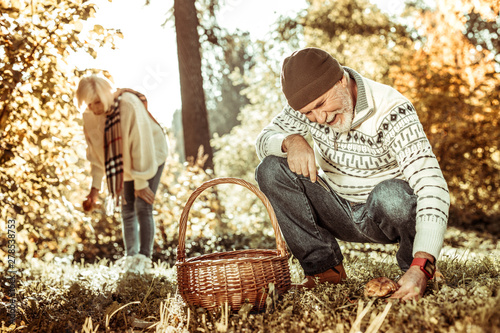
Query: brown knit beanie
pixel 307 74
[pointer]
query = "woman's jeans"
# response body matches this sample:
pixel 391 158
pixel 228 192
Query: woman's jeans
pixel 138 225
pixel 312 218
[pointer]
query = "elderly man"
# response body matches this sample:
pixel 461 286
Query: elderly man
pixel 378 180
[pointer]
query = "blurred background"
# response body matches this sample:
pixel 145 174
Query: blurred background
pixel 443 55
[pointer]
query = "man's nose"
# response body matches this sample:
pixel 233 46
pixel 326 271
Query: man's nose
pixel 320 116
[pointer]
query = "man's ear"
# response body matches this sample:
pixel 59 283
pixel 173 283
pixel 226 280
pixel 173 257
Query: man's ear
pixel 343 80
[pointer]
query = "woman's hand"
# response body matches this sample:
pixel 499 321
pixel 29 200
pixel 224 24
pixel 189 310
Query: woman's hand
pixel 89 203
pixel 145 194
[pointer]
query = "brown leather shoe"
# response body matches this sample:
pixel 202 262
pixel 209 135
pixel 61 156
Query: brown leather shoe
pixel 334 275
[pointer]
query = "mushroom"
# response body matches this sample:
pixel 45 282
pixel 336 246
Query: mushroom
pixel 380 287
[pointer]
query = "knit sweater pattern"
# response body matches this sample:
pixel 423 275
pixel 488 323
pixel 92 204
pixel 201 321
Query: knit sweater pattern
pixel 386 141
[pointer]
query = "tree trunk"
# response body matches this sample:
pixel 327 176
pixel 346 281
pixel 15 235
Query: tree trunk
pixel 194 110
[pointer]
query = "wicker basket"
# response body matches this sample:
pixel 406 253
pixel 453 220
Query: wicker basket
pixel 233 277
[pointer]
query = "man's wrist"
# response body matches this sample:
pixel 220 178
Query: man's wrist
pixel 284 146
pixel 421 254
pixel 424 262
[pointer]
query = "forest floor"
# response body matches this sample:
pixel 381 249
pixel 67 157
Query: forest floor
pixel 61 296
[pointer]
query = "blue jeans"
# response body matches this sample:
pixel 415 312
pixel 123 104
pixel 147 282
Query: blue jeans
pixel 138 225
pixel 312 218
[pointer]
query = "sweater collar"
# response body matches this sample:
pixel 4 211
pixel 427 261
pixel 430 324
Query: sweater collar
pixel 364 105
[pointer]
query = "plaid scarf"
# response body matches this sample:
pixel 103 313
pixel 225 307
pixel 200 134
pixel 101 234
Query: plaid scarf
pixel 113 146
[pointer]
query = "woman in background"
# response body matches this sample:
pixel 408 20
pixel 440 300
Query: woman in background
pixel 128 146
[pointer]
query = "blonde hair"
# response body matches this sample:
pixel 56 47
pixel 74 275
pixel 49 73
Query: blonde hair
pixel 95 87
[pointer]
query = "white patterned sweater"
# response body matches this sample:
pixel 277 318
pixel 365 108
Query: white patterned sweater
pixel 386 141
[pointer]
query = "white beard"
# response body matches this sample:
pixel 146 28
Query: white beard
pixel 347 112
pixel 343 125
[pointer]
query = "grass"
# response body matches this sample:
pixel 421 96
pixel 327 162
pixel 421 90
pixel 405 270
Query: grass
pixel 61 296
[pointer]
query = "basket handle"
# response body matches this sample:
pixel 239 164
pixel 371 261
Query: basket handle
pixel 181 249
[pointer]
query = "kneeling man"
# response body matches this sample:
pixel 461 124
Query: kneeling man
pixel 378 180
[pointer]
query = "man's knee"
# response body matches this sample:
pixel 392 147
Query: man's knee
pixel 395 200
pixel 269 169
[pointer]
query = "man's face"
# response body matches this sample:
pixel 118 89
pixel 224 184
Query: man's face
pixel 334 108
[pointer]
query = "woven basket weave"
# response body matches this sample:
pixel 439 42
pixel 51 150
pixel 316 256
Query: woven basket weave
pixel 233 277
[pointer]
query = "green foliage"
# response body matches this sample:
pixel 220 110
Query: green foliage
pixel 356 33
pixel 482 27
pixel 453 85
pixel 228 100
pixel 40 155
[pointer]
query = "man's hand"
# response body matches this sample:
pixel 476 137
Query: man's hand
pixel 413 282
pixel 412 285
pixel 89 203
pixel 145 194
pixel 300 156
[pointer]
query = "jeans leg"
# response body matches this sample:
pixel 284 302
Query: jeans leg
pixel 310 216
pixel 145 216
pixel 130 228
pixel 389 216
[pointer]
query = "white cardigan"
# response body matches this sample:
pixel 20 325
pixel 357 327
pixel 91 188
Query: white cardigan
pixel 386 141
pixel 145 146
